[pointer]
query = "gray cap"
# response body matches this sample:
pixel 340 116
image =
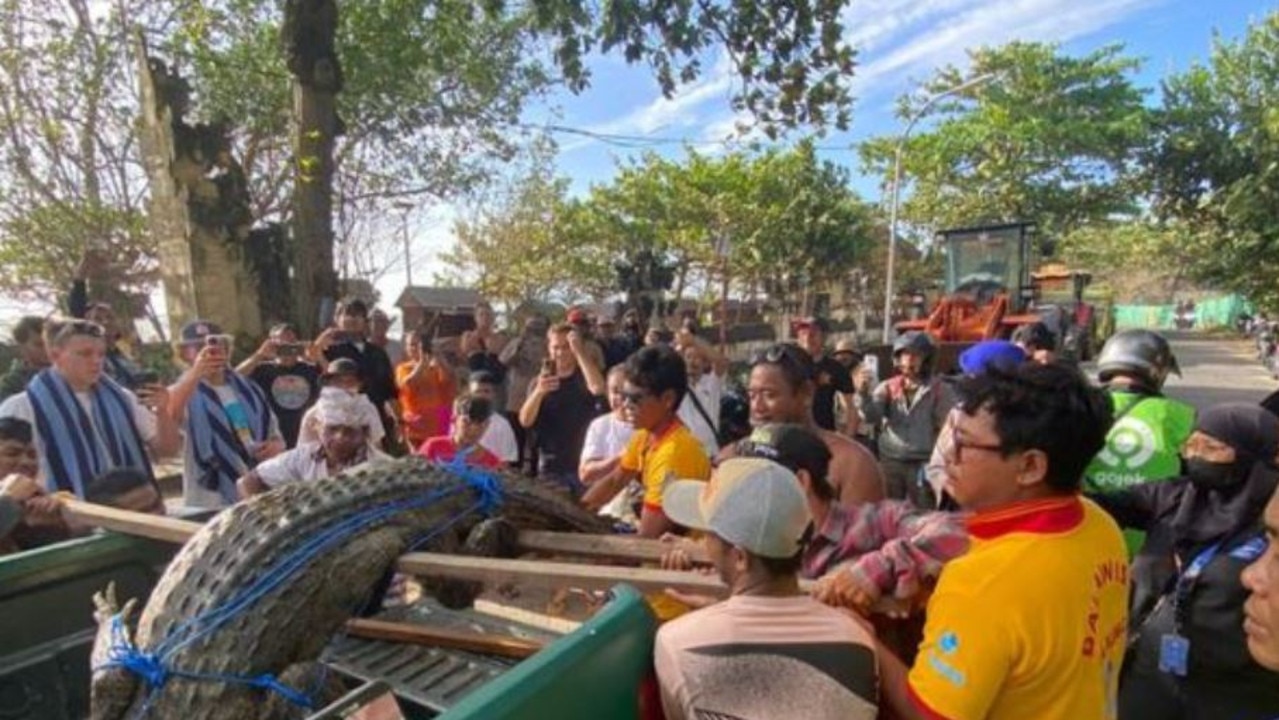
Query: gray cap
pixel 752 503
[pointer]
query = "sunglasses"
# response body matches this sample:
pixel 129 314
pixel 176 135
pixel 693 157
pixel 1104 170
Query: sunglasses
pixel 63 329
pixel 633 398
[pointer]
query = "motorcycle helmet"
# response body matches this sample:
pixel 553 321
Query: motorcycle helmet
pixel 1141 354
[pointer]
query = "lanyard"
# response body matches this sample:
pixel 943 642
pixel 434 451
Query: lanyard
pixel 1186 582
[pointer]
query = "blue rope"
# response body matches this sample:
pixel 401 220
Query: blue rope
pixel 153 666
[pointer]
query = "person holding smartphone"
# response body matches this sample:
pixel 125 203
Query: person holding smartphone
pixel 426 389
pixel 84 422
pixel 228 421
pixel 561 404
pixel 350 339
pixel 291 382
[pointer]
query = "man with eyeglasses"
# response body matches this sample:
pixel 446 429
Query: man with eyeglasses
pixel 1031 622
pixel 86 423
pixel 780 390
pixel 662 447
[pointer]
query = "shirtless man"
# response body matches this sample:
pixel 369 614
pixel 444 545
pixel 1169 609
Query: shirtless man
pixel 781 391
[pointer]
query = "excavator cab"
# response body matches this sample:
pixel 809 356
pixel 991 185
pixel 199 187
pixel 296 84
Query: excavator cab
pixel 987 281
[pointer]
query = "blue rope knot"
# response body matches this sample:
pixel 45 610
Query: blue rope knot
pixel 483 482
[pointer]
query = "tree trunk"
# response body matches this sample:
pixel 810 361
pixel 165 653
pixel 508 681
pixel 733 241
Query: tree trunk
pixel 309 34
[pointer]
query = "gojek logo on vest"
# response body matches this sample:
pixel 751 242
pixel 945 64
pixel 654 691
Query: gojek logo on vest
pixel 1129 446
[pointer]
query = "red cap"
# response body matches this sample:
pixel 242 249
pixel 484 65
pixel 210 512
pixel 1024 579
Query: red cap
pixel 576 316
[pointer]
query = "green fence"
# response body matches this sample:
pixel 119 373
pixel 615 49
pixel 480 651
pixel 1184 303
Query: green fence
pixel 1213 312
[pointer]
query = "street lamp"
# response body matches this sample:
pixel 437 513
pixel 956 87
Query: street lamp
pixel 897 181
pixel 405 206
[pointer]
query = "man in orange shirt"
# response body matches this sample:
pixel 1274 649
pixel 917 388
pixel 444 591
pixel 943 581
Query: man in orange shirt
pixel 662 448
pixel 426 388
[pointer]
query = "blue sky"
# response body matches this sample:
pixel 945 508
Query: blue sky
pixel 900 43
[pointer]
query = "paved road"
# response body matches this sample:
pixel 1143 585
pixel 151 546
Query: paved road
pixel 1216 370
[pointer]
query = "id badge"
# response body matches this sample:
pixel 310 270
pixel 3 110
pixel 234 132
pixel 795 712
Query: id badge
pixel 1174 654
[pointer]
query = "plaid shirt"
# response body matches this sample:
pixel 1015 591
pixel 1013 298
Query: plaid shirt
pixel 888 545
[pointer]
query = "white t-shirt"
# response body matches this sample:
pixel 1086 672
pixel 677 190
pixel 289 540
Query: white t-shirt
pixel 709 389
pixel 303 463
pixel 309 431
pixel 607 437
pixel 19 406
pixel 499 439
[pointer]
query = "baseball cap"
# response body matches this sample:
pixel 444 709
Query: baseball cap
pixel 197 330
pixel 753 503
pixel 576 316
pixel 990 353
pixel 792 446
pixel 341 366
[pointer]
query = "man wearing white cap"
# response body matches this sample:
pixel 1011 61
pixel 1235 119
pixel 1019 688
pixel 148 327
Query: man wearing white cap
pixel 345 442
pixel 769 650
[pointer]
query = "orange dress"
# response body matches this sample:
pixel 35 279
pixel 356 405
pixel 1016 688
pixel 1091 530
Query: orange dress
pixel 426 404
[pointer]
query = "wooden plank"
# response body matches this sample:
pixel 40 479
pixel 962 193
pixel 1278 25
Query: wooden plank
pixel 557 574
pixel 541 621
pixel 156 527
pixel 616 547
pixel 503 645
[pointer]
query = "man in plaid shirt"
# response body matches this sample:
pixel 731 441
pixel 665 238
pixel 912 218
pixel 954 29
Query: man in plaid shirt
pixel 859 552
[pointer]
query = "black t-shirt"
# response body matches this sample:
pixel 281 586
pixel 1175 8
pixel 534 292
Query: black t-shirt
pixel 831 378
pixel 291 391
pixel 560 429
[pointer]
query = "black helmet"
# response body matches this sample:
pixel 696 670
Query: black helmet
pixel 915 342
pixel 1142 354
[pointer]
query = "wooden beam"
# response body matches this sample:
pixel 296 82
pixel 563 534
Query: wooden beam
pixel 617 547
pixel 503 645
pixel 539 573
pixel 156 527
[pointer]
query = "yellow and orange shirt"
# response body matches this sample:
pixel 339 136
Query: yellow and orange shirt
pixel 673 453
pixel 1031 622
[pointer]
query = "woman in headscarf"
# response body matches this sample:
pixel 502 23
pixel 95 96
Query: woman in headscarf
pixel 1187 656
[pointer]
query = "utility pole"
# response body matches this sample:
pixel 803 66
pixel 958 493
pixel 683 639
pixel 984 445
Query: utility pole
pixel 897 181
pixel 309 37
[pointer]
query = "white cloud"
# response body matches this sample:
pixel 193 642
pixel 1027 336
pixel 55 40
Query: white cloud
pixel 940 31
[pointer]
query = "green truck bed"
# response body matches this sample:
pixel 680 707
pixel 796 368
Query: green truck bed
pixel 46 631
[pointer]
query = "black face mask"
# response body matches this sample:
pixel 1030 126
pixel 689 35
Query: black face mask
pixel 1213 475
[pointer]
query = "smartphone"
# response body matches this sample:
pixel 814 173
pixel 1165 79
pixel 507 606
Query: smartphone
pixel 871 363
pixel 219 341
pixel 289 350
pixel 146 377
pixel 548 367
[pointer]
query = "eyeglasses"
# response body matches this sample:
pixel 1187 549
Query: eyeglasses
pixel 633 398
pixel 60 330
pixel 959 445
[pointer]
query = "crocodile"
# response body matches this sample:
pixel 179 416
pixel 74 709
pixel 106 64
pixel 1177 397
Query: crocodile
pixel 186 658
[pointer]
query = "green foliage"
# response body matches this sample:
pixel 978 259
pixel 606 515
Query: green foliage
pixel 69 180
pixel 1049 138
pixel 1214 162
pixel 780 219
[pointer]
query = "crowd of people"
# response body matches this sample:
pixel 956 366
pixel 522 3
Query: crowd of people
pixel 1064 549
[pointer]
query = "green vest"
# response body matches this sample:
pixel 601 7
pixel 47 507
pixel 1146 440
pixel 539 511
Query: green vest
pixel 1143 445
